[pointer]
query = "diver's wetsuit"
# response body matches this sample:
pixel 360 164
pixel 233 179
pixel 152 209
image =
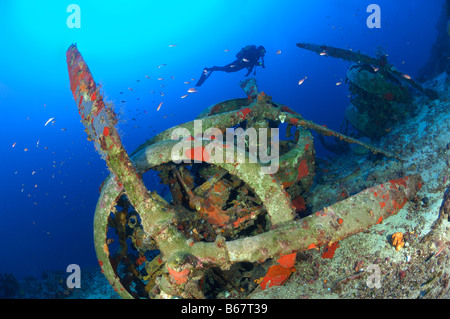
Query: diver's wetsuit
pixel 247 58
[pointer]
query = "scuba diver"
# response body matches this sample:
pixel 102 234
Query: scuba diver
pixel 248 57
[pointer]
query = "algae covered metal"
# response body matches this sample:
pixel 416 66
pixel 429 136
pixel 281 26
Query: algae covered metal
pixel 380 95
pixel 221 214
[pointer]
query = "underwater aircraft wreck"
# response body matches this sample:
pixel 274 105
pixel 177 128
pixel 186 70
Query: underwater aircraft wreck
pixel 226 230
pixel 379 92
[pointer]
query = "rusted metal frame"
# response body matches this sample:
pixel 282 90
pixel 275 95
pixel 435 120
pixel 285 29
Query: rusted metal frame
pixel 343 219
pixel 336 222
pixel 170 242
pixel 260 109
pixel 156 220
pixel 299 121
pixel 358 57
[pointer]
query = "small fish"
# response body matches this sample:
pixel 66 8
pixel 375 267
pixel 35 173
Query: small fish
pixel 162 94
pixel 14 144
pixel 147 77
pixel 192 90
pixel 322 53
pixel 130 89
pixel 33 172
pixel 159 106
pixel 49 120
pixel 186 82
pixel 232 66
pixel 406 76
pixel 25 149
pixel 278 52
pixel 226 50
pixel 64 129
pixel 37 144
pixel 184 96
pixel 375 69
pixel 338 83
pixel 160 79
pixel 172 45
pixel 302 80
pixel 245 60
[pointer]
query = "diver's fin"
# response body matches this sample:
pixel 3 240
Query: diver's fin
pixel 205 75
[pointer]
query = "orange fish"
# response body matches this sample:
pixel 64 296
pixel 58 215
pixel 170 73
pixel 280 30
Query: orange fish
pixel 186 82
pixel 160 79
pixel 184 96
pixel 130 89
pixel 278 52
pixel 322 53
pixel 406 76
pixel 192 90
pixel 226 50
pixel 159 106
pixel 147 77
pixel 338 83
pixel 14 145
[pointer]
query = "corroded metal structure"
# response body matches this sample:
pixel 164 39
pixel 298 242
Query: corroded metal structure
pixel 360 58
pixel 220 213
pixel 380 95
